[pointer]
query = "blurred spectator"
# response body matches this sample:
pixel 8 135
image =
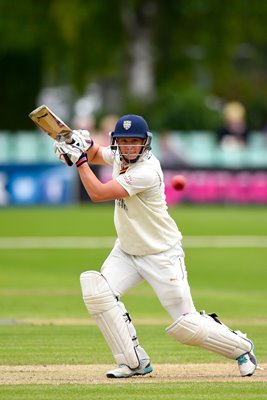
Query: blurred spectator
pixel 84 122
pixel 106 125
pixel 172 153
pixel 234 132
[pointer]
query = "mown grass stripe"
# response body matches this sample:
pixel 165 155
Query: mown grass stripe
pixel 87 242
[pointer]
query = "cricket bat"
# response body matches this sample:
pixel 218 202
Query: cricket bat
pixel 51 124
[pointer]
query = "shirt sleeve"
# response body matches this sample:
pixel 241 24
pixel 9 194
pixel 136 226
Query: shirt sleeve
pixel 138 180
pixel 108 155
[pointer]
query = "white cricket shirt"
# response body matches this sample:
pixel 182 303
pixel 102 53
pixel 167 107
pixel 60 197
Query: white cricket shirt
pixel 142 221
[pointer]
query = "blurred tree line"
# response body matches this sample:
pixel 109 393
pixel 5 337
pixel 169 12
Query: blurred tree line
pixel 174 61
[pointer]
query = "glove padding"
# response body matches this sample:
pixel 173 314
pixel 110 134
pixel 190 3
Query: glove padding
pixel 80 139
pixel 67 153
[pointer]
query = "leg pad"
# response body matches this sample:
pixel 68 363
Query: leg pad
pixel 203 331
pixel 104 307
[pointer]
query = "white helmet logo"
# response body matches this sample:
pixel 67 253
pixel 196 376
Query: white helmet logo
pixel 127 125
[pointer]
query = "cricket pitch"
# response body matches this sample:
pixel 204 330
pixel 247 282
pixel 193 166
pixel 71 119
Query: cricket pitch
pixel 95 374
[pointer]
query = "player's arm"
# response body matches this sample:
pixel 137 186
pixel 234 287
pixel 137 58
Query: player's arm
pixel 94 155
pixel 98 191
pixel 82 140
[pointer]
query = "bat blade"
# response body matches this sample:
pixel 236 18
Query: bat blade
pixel 49 122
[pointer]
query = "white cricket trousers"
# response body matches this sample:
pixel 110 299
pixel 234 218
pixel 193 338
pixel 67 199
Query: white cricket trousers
pixel 165 272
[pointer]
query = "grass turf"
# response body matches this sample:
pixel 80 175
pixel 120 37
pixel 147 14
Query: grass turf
pixel 182 391
pixel 45 284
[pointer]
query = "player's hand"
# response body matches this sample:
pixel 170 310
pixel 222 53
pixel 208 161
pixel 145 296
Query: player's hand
pixel 67 153
pixel 80 139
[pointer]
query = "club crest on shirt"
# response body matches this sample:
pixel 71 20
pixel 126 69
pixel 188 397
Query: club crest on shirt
pixel 127 124
pixel 128 179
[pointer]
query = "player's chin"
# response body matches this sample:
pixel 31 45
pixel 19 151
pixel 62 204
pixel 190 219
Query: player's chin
pixel 131 157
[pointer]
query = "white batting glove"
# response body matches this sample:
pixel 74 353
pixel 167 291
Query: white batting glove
pixel 80 139
pixel 67 153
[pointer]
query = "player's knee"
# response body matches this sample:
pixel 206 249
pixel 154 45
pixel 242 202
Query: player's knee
pixel 86 280
pixel 84 275
pixel 96 292
pixel 172 297
pixel 84 286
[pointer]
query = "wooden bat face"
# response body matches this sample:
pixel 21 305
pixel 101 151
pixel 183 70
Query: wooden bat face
pixel 49 122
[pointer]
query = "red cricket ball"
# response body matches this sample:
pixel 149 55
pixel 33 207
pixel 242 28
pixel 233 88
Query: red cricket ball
pixel 178 182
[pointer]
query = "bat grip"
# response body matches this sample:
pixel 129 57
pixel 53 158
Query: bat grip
pixel 70 140
pixel 68 161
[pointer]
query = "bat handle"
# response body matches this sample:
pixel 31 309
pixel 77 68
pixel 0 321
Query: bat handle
pixel 69 139
pixel 70 163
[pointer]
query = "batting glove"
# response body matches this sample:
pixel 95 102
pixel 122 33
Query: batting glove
pixel 80 139
pixel 67 153
pixel 83 159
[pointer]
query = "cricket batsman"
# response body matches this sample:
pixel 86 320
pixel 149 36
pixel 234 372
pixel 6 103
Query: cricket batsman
pixel 148 247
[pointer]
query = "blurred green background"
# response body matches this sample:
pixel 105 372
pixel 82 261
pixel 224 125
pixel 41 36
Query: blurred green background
pixel 175 62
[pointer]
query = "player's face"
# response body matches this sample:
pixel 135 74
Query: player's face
pixel 130 147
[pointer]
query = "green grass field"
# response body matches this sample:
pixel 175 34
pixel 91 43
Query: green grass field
pixel 43 321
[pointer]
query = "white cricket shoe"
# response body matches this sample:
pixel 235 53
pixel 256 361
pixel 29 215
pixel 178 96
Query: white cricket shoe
pixel 123 371
pixel 247 363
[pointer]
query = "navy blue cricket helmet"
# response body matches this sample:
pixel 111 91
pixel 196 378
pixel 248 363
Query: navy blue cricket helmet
pixel 132 126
